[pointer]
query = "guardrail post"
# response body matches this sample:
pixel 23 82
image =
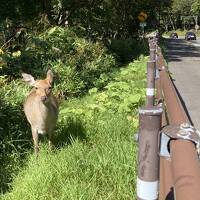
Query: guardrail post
pixel 148 158
pixel 158 94
pixel 150 91
pixel 152 46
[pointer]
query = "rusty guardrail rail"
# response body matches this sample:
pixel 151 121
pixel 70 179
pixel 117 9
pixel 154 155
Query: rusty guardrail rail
pixel 169 146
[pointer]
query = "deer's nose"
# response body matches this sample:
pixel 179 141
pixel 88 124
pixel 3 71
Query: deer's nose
pixel 43 98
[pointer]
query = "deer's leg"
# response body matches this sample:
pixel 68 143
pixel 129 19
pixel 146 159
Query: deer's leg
pixel 50 140
pixel 35 141
pixel 50 143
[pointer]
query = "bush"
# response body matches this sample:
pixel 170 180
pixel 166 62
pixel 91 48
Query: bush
pixel 83 62
pixel 127 49
pixel 77 62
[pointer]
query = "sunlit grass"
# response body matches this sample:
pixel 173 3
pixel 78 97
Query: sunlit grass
pixel 102 167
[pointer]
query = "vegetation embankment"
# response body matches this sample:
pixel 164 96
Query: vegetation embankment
pixel 95 154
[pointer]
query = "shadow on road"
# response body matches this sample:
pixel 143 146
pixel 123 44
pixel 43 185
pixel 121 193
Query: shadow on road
pixel 178 49
pixel 182 103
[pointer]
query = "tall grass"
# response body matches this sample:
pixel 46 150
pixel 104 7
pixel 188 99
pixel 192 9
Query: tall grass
pixel 101 167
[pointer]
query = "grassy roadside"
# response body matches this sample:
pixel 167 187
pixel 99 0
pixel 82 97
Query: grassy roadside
pixel 95 156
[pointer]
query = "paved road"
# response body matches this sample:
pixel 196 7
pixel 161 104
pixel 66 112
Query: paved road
pixel 184 63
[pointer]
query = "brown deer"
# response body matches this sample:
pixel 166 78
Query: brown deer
pixel 41 108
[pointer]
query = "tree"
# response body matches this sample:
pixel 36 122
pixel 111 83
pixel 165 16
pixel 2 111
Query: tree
pixel 182 7
pixel 195 8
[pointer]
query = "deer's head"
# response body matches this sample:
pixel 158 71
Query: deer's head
pixel 43 87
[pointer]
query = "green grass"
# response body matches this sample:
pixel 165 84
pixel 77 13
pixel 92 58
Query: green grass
pixel 95 155
pixel 99 168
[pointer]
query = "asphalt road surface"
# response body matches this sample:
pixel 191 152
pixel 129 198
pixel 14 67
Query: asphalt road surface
pixel 183 59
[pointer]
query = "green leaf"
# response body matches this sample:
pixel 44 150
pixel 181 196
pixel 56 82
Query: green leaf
pixel 133 99
pixel 93 90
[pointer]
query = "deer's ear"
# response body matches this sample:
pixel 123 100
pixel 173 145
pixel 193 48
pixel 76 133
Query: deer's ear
pixel 29 79
pixel 50 76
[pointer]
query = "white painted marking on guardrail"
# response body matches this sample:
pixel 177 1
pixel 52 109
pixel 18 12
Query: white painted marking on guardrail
pixel 150 92
pixel 147 190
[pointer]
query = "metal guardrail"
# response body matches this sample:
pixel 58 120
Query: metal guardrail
pixel 168 156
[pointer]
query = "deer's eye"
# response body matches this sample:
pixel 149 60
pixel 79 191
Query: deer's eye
pixel 36 88
pixel 50 88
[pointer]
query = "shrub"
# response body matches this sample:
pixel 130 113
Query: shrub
pixel 127 49
pixel 77 62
